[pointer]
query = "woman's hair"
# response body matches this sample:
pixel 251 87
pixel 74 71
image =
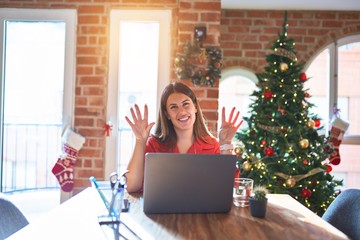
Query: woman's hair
pixel 164 130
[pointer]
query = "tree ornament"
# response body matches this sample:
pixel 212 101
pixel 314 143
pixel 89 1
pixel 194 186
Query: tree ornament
pixel 269 151
pixel 300 176
pixel 268 94
pixel 306 193
pixel 290 182
pixel 238 150
pixel 304 143
pixel 302 76
pixel 263 142
pixel 273 129
pixel 247 166
pixel 305 162
pixel 328 168
pixel 310 123
pixel 283 67
pixel 317 123
pixel 285 53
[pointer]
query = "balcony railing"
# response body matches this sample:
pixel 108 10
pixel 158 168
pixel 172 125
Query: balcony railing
pixel 29 153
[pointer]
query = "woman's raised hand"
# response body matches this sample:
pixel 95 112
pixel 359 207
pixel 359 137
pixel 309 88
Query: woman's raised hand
pixel 228 128
pixel 140 126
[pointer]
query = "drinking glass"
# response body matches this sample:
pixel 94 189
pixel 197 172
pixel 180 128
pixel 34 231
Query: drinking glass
pixel 242 191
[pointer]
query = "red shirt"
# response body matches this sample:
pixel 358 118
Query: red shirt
pixel 198 147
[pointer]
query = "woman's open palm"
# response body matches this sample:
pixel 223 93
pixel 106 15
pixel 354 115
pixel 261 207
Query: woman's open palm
pixel 140 126
pixel 229 127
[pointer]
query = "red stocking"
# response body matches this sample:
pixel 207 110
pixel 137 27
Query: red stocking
pixel 63 169
pixel 338 128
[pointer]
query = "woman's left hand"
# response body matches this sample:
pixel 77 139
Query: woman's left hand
pixel 228 128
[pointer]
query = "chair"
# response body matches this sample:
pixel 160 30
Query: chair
pixel 11 218
pixel 344 213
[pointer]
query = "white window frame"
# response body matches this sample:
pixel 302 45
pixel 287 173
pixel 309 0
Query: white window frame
pixel 69 16
pixel 353 139
pixel 238 71
pixel 116 16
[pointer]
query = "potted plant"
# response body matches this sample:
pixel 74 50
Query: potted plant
pixel 258 202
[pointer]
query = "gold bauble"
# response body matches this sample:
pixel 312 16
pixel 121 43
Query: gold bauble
pixel 246 166
pixel 304 143
pixel 238 150
pixel 311 123
pixel 283 67
pixel 290 182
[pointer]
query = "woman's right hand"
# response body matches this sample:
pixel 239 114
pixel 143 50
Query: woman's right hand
pixel 140 126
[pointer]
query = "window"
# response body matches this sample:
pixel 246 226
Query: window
pixel 235 88
pixel 139 71
pixel 37 84
pixel 334 84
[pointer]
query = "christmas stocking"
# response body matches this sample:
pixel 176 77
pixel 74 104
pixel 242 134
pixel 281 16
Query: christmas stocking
pixel 71 143
pixel 338 128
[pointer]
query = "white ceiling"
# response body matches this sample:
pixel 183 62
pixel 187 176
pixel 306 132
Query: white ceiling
pixel 340 5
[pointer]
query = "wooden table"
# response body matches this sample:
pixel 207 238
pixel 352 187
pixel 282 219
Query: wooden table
pixel 285 219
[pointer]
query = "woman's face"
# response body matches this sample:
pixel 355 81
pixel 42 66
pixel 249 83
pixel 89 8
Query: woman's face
pixel 181 111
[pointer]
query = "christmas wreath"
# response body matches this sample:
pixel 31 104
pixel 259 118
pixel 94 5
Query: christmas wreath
pixel 201 65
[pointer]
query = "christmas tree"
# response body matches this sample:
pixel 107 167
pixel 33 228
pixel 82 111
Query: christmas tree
pixel 281 148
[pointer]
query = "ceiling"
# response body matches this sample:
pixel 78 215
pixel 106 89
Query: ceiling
pixel 339 5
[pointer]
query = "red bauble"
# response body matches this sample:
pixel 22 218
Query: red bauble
pixel 268 94
pixel 302 76
pixel 307 95
pixel 317 122
pixel 329 168
pixel 306 193
pixel 263 142
pixel 269 151
pixel 305 162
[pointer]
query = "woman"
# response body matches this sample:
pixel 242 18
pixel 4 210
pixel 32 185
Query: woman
pixel 180 128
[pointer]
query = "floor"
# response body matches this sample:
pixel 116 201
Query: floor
pixel 35 203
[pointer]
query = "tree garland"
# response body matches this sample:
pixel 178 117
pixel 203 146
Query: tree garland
pixel 201 65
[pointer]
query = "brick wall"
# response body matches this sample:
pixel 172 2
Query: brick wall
pixel 247 35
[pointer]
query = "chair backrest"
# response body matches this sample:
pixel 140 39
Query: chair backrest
pixel 11 218
pixel 344 213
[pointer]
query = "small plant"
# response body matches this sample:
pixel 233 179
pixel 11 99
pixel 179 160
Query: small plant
pixel 260 192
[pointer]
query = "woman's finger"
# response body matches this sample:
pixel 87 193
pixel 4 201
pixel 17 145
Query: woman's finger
pixel 138 113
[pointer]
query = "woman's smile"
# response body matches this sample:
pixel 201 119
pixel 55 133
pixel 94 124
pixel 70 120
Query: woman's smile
pixel 181 111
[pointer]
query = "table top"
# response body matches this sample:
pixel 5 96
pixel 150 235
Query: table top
pixel 77 218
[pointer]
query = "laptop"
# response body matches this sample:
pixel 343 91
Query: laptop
pixel 188 183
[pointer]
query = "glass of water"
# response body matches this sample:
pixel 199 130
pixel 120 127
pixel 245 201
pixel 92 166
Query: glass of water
pixel 242 190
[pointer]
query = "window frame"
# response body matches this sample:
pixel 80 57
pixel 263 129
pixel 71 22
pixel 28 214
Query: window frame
pixel 116 16
pixel 351 139
pixel 69 16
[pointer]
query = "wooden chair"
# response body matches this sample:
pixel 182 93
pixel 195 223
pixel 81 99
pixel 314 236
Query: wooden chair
pixel 11 218
pixel 344 213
